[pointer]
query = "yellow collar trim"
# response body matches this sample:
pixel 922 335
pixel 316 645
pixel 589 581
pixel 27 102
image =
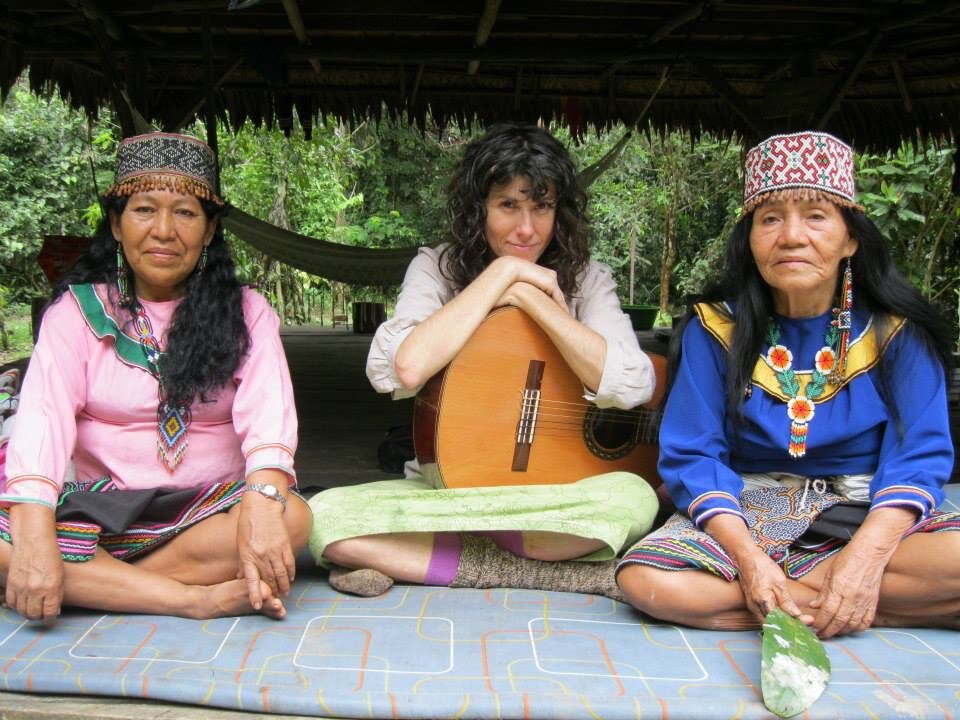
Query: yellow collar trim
pixel 863 353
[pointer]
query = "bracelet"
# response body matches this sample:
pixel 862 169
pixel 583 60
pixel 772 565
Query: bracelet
pixel 267 490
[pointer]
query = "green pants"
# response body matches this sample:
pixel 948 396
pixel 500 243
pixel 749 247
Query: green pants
pixel 617 508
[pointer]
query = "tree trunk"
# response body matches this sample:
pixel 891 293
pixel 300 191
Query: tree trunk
pixel 278 217
pixel 668 257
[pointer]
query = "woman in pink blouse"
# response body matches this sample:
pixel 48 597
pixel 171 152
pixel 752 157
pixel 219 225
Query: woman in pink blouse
pixel 150 469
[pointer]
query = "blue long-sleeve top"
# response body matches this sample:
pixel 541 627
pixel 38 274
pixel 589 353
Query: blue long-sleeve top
pixel 853 430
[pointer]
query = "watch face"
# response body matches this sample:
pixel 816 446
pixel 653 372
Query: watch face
pixel 270 490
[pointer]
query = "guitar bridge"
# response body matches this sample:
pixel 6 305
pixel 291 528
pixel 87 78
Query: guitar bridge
pixel 529 411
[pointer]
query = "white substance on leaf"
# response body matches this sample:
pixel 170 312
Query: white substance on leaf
pixel 805 681
pixel 782 641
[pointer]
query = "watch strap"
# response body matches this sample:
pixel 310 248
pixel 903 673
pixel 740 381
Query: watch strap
pixel 268 491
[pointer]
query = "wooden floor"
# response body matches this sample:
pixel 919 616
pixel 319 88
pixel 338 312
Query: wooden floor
pixel 342 419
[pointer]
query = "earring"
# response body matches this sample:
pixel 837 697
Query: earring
pixel 203 260
pixel 843 322
pixel 122 271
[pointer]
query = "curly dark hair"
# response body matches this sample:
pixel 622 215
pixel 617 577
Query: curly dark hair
pixel 879 287
pixel 208 337
pixel 505 152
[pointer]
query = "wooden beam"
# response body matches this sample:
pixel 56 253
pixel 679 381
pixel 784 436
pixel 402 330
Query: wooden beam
pixel 121 103
pixel 682 18
pixel 726 91
pixel 844 82
pixel 686 15
pixel 489 17
pixel 95 12
pixel 901 85
pixel 663 81
pixel 518 87
pixel 210 101
pixel 292 9
pixel 195 106
pixel 897 20
pixel 416 87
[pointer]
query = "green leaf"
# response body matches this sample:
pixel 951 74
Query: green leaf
pixel 904 214
pixel 794 668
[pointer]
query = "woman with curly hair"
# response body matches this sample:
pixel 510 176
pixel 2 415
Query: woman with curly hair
pixel 150 468
pixel 518 238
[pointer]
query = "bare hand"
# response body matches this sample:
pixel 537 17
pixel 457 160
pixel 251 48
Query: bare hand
pixel 524 271
pixel 35 576
pixel 848 598
pixel 264 548
pixel 519 293
pixel 764 587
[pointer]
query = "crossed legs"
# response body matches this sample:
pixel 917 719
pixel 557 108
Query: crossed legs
pixel 406 556
pixel 193 575
pixel 920 588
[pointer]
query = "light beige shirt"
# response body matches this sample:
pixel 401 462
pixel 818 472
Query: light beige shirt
pixel 628 378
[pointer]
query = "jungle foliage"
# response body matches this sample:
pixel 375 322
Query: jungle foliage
pixel 664 208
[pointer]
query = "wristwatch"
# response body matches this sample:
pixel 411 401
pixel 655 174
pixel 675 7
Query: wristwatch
pixel 269 491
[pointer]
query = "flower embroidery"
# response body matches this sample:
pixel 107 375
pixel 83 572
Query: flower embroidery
pixel 800 399
pixel 780 358
pixel 825 360
pixel 800 409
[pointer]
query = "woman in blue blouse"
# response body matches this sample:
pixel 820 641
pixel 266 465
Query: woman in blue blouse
pixel 806 437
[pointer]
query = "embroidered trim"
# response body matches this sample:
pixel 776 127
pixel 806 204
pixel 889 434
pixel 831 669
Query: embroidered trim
pixel 102 324
pixel 712 512
pixel 710 495
pixel 863 353
pixel 267 446
pixel 25 500
pixel 288 471
pixel 890 489
pixel 41 478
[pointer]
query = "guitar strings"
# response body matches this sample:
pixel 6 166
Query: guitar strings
pixel 558 418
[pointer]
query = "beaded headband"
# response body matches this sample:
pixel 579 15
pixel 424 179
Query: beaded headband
pixel 165 161
pixel 799 166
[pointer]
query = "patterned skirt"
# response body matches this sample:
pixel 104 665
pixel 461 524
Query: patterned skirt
pixel 129 523
pixel 779 519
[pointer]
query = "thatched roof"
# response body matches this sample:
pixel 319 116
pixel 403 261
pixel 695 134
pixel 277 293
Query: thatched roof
pixel 871 71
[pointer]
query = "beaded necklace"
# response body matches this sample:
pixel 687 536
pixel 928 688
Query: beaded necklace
pixel 800 406
pixel 172 420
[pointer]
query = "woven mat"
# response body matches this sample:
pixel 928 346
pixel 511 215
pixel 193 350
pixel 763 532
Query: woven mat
pixel 436 653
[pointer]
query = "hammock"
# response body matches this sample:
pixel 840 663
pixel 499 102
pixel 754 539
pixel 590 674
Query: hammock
pixel 346 263
pixel 342 263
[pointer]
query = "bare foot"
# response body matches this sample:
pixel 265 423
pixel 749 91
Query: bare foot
pixel 230 598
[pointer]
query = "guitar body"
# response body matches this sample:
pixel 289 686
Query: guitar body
pixel 480 423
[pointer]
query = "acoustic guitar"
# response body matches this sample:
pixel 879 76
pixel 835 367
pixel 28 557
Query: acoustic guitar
pixel 508 410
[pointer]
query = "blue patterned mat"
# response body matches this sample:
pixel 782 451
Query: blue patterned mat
pixel 438 653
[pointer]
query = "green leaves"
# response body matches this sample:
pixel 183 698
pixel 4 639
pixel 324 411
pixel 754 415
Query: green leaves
pixel 794 669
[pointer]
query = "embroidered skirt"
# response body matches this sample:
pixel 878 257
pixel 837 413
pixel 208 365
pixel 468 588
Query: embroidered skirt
pixel 129 523
pixel 778 518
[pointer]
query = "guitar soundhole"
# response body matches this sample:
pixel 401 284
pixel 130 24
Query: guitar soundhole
pixel 610 433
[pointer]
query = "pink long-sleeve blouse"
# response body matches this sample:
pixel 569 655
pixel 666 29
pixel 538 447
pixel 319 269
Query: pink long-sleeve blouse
pixel 88 396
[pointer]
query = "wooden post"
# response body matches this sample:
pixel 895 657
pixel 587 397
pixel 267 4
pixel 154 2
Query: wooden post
pixel 633 261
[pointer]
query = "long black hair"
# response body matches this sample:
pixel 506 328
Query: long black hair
pixel 505 152
pixel 879 287
pixel 208 337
